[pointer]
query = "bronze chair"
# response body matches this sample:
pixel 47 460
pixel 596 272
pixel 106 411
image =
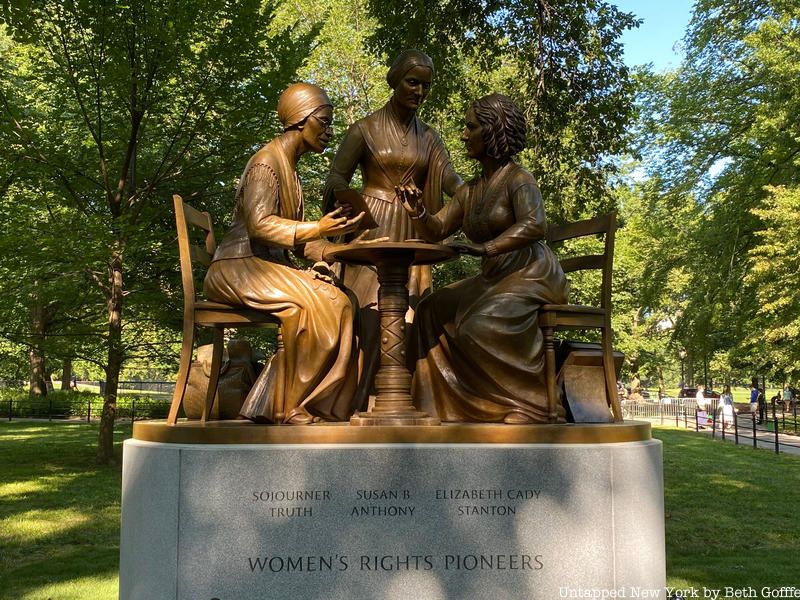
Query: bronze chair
pixel 554 317
pixel 202 313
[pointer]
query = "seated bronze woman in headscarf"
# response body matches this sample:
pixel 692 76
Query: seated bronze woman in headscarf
pixel 479 349
pixel 252 268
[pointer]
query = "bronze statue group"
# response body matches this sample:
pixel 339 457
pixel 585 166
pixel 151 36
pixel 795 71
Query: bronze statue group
pixel 475 347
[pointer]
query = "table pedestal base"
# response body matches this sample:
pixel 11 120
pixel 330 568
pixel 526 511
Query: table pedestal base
pixel 393 402
pixel 371 419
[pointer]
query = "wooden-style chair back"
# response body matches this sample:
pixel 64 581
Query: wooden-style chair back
pixel 189 253
pixel 555 317
pixel 605 225
pixel 203 313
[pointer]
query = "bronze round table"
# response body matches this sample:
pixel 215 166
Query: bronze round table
pixel 393 404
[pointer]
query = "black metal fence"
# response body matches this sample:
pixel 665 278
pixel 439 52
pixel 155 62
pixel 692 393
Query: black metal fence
pixel 775 425
pixel 141 388
pixel 83 407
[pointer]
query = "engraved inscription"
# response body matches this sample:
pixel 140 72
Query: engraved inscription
pixel 396 562
pixel 383 503
pixel 284 504
pixel 487 502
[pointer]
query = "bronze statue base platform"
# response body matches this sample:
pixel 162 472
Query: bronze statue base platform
pixel 245 432
pixel 519 512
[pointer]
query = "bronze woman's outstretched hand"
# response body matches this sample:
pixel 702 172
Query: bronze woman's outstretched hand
pixel 360 239
pixel 468 248
pixel 410 196
pixel 322 271
pixel 330 250
pixel 335 223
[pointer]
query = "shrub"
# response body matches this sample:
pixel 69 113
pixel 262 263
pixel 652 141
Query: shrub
pixel 63 404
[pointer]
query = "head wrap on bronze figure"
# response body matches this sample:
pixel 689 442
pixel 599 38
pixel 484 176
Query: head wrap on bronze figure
pixel 406 61
pixel 299 101
pixel 503 125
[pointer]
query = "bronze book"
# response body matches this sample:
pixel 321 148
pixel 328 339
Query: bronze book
pixel 356 200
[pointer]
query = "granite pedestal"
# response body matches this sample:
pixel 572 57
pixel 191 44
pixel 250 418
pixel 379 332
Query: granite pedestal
pixel 419 517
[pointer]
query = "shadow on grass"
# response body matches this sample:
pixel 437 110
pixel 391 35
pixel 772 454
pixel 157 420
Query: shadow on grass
pixel 730 513
pixel 59 510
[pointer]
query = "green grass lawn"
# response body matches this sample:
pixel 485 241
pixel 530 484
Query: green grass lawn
pixel 731 513
pixel 59 513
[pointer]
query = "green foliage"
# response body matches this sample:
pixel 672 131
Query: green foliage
pixel 775 260
pixel 110 108
pixel 561 62
pixel 62 404
pixel 57 403
pixel 717 133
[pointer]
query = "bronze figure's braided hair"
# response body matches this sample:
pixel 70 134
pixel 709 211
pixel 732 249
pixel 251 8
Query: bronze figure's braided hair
pixel 503 125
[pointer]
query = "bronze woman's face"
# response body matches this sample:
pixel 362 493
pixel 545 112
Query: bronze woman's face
pixel 472 136
pixel 318 129
pixel 413 88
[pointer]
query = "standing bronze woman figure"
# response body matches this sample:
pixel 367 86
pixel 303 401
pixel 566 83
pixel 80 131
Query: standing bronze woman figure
pixel 477 343
pixel 252 268
pixel 392 147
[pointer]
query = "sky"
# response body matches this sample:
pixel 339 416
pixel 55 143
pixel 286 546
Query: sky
pixel 663 27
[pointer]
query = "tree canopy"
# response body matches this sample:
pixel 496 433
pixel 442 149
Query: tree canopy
pixel 721 136
pixel 108 108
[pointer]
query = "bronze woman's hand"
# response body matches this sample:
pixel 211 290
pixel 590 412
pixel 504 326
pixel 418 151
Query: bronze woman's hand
pixel 347 208
pixel 322 271
pixel 468 248
pixel 361 239
pixel 410 196
pixel 335 223
pixel 327 254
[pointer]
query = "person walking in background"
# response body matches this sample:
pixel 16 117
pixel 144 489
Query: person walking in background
pixel 753 399
pixel 726 409
pixel 787 397
pixel 702 407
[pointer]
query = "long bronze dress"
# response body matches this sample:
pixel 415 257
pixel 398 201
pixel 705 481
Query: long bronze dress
pixel 478 344
pixel 389 155
pixel 252 268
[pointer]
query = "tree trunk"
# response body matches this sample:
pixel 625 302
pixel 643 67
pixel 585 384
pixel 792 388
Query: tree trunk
pixel 105 449
pixel 66 374
pixel 38 381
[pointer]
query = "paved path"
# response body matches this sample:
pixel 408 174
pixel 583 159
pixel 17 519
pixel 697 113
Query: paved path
pixel 788 444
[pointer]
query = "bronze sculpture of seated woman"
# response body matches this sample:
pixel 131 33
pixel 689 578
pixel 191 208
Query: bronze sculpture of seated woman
pixel 252 268
pixel 477 343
